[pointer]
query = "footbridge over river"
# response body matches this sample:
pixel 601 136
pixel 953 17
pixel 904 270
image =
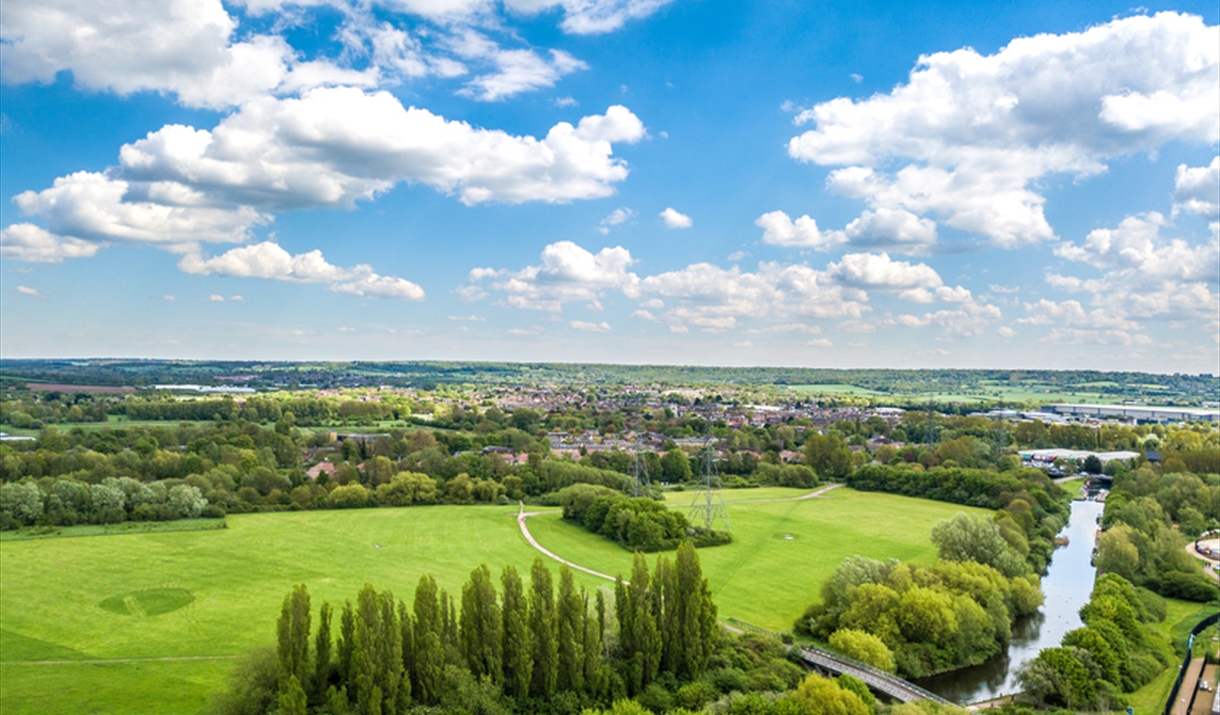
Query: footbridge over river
pixel 877 680
pixel 835 664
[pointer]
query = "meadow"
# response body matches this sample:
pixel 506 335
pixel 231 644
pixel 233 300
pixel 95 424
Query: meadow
pixel 783 550
pixel 149 622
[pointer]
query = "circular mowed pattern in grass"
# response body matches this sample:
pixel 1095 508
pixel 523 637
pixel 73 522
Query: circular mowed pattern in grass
pixel 149 602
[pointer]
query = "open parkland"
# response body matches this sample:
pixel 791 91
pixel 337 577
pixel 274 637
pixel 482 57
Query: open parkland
pixel 85 627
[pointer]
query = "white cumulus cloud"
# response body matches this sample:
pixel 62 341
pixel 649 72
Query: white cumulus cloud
pixel 568 273
pixel 27 242
pixel 674 219
pixel 616 217
pixel 268 260
pixel 1196 190
pixel 780 230
pixel 971 134
pixel 591 17
pixel 1145 275
pixel 181 46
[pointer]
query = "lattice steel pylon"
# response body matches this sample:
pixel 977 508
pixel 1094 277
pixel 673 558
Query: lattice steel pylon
pixel 708 506
pixel 643 485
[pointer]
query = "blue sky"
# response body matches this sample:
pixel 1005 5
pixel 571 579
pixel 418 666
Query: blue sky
pixel 857 184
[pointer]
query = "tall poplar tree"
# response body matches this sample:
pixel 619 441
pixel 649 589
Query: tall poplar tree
pixel 595 683
pixel 449 630
pixel 406 626
pixel 544 632
pixel 429 650
pixel 322 648
pixel 292 630
pixel 347 631
pixel 665 609
pixel 647 637
pixel 518 644
pixel 632 661
pixel 696 614
pixel 571 619
pixel 482 627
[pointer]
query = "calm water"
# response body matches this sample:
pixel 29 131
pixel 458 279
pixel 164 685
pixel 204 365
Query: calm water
pixel 1067 585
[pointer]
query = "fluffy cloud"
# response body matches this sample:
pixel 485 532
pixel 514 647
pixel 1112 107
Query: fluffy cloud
pixel 919 283
pixel 568 273
pixel 178 46
pixel 701 294
pixel 269 261
pixel 196 50
pixel 1196 190
pixel 616 217
pixel 1143 274
pixel 27 242
pixel 591 17
pixel 601 327
pixel 1072 313
pixel 181 187
pixel 878 270
pixel 780 230
pixel 674 219
pixel 892 229
pixel 714 299
pixel 334 146
pixel 515 70
pixel 1136 246
pixel 979 130
pixel 969 320
pixel 895 229
pixel 88 206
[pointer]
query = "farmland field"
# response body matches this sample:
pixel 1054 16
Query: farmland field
pixel 177 597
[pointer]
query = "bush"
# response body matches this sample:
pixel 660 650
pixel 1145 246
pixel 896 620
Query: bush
pixel 656 698
pixel 864 647
pixel 694 696
pixel 1187 586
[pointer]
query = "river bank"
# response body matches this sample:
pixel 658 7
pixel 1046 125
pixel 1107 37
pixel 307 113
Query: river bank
pixel 1067 585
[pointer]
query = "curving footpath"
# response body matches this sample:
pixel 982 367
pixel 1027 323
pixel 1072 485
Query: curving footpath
pixel 881 681
pixel 525 530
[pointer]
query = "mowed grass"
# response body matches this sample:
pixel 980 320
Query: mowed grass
pixel 764 577
pixel 183 595
pixel 217 593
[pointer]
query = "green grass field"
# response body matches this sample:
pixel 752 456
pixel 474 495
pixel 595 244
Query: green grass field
pixel 184 595
pixel 764 577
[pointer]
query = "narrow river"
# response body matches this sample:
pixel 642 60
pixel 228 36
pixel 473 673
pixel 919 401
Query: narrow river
pixel 1067 585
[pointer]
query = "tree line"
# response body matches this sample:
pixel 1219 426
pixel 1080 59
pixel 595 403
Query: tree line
pixel 638 524
pixel 1140 542
pixel 1116 652
pixel 533 644
pixel 1034 509
pixel 919 621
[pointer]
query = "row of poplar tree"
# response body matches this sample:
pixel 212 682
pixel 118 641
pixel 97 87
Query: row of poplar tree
pixel 529 643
